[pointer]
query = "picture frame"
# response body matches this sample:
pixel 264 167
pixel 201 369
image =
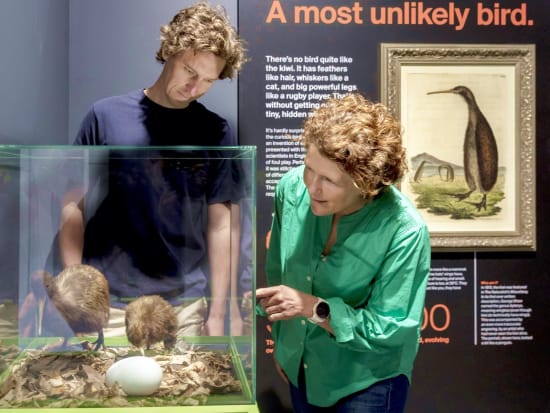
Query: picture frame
pixel 468 118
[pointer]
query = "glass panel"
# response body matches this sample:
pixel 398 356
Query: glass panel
pixel 89 230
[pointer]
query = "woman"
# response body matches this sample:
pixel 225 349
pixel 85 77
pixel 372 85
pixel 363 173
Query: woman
pixel 347 265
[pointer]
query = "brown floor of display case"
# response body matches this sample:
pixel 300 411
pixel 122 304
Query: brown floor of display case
pixel 209 375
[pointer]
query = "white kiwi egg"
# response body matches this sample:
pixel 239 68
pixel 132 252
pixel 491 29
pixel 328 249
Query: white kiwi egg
pixel 138 375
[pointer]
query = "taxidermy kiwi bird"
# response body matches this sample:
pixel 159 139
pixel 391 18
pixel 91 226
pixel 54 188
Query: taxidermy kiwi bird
pixel 480 149
pixel 81 295
pixel 150 319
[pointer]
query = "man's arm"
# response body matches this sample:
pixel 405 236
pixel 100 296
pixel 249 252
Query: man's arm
pixel 71 228
pixel 218 236
pixel 235 318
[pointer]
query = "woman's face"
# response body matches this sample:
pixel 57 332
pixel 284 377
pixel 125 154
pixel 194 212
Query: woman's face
pixel 330 188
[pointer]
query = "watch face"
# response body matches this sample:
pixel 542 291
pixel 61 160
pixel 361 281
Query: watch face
pixel 322 310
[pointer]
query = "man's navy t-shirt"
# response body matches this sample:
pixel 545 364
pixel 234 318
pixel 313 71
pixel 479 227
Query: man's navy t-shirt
pixel 148 233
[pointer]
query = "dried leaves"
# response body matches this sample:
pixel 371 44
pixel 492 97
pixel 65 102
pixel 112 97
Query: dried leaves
pixel 77 379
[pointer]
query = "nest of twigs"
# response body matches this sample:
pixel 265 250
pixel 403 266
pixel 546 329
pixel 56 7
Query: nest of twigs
pixel 77 379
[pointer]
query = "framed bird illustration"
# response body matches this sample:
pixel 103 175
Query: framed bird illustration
pixel 468 117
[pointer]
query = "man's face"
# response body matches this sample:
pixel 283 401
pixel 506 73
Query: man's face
pixel 188 75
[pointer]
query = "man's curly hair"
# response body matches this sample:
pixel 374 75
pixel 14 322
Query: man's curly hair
pixel 203 28
pixel 362 137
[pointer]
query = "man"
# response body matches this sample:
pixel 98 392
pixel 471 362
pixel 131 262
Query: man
pixel 149 234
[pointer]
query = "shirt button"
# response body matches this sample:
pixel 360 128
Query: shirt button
pixel 305 365
pixel 303 322
pixel 308 278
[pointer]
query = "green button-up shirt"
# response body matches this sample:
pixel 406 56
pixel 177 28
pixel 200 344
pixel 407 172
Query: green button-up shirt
pixel 374 280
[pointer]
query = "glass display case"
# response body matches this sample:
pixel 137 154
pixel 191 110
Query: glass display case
pixel 127 278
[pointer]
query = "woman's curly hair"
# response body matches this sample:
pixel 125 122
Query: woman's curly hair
pixel 362 137
pixel 204 28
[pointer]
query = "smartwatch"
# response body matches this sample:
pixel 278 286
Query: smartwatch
pixel 321 312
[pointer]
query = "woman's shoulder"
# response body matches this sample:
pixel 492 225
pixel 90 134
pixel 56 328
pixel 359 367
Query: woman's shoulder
pixel 293 178
pixel 291 184
pixel 401 209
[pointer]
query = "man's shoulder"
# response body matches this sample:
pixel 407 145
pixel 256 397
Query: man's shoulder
pixel 111 118
pixel 118 101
